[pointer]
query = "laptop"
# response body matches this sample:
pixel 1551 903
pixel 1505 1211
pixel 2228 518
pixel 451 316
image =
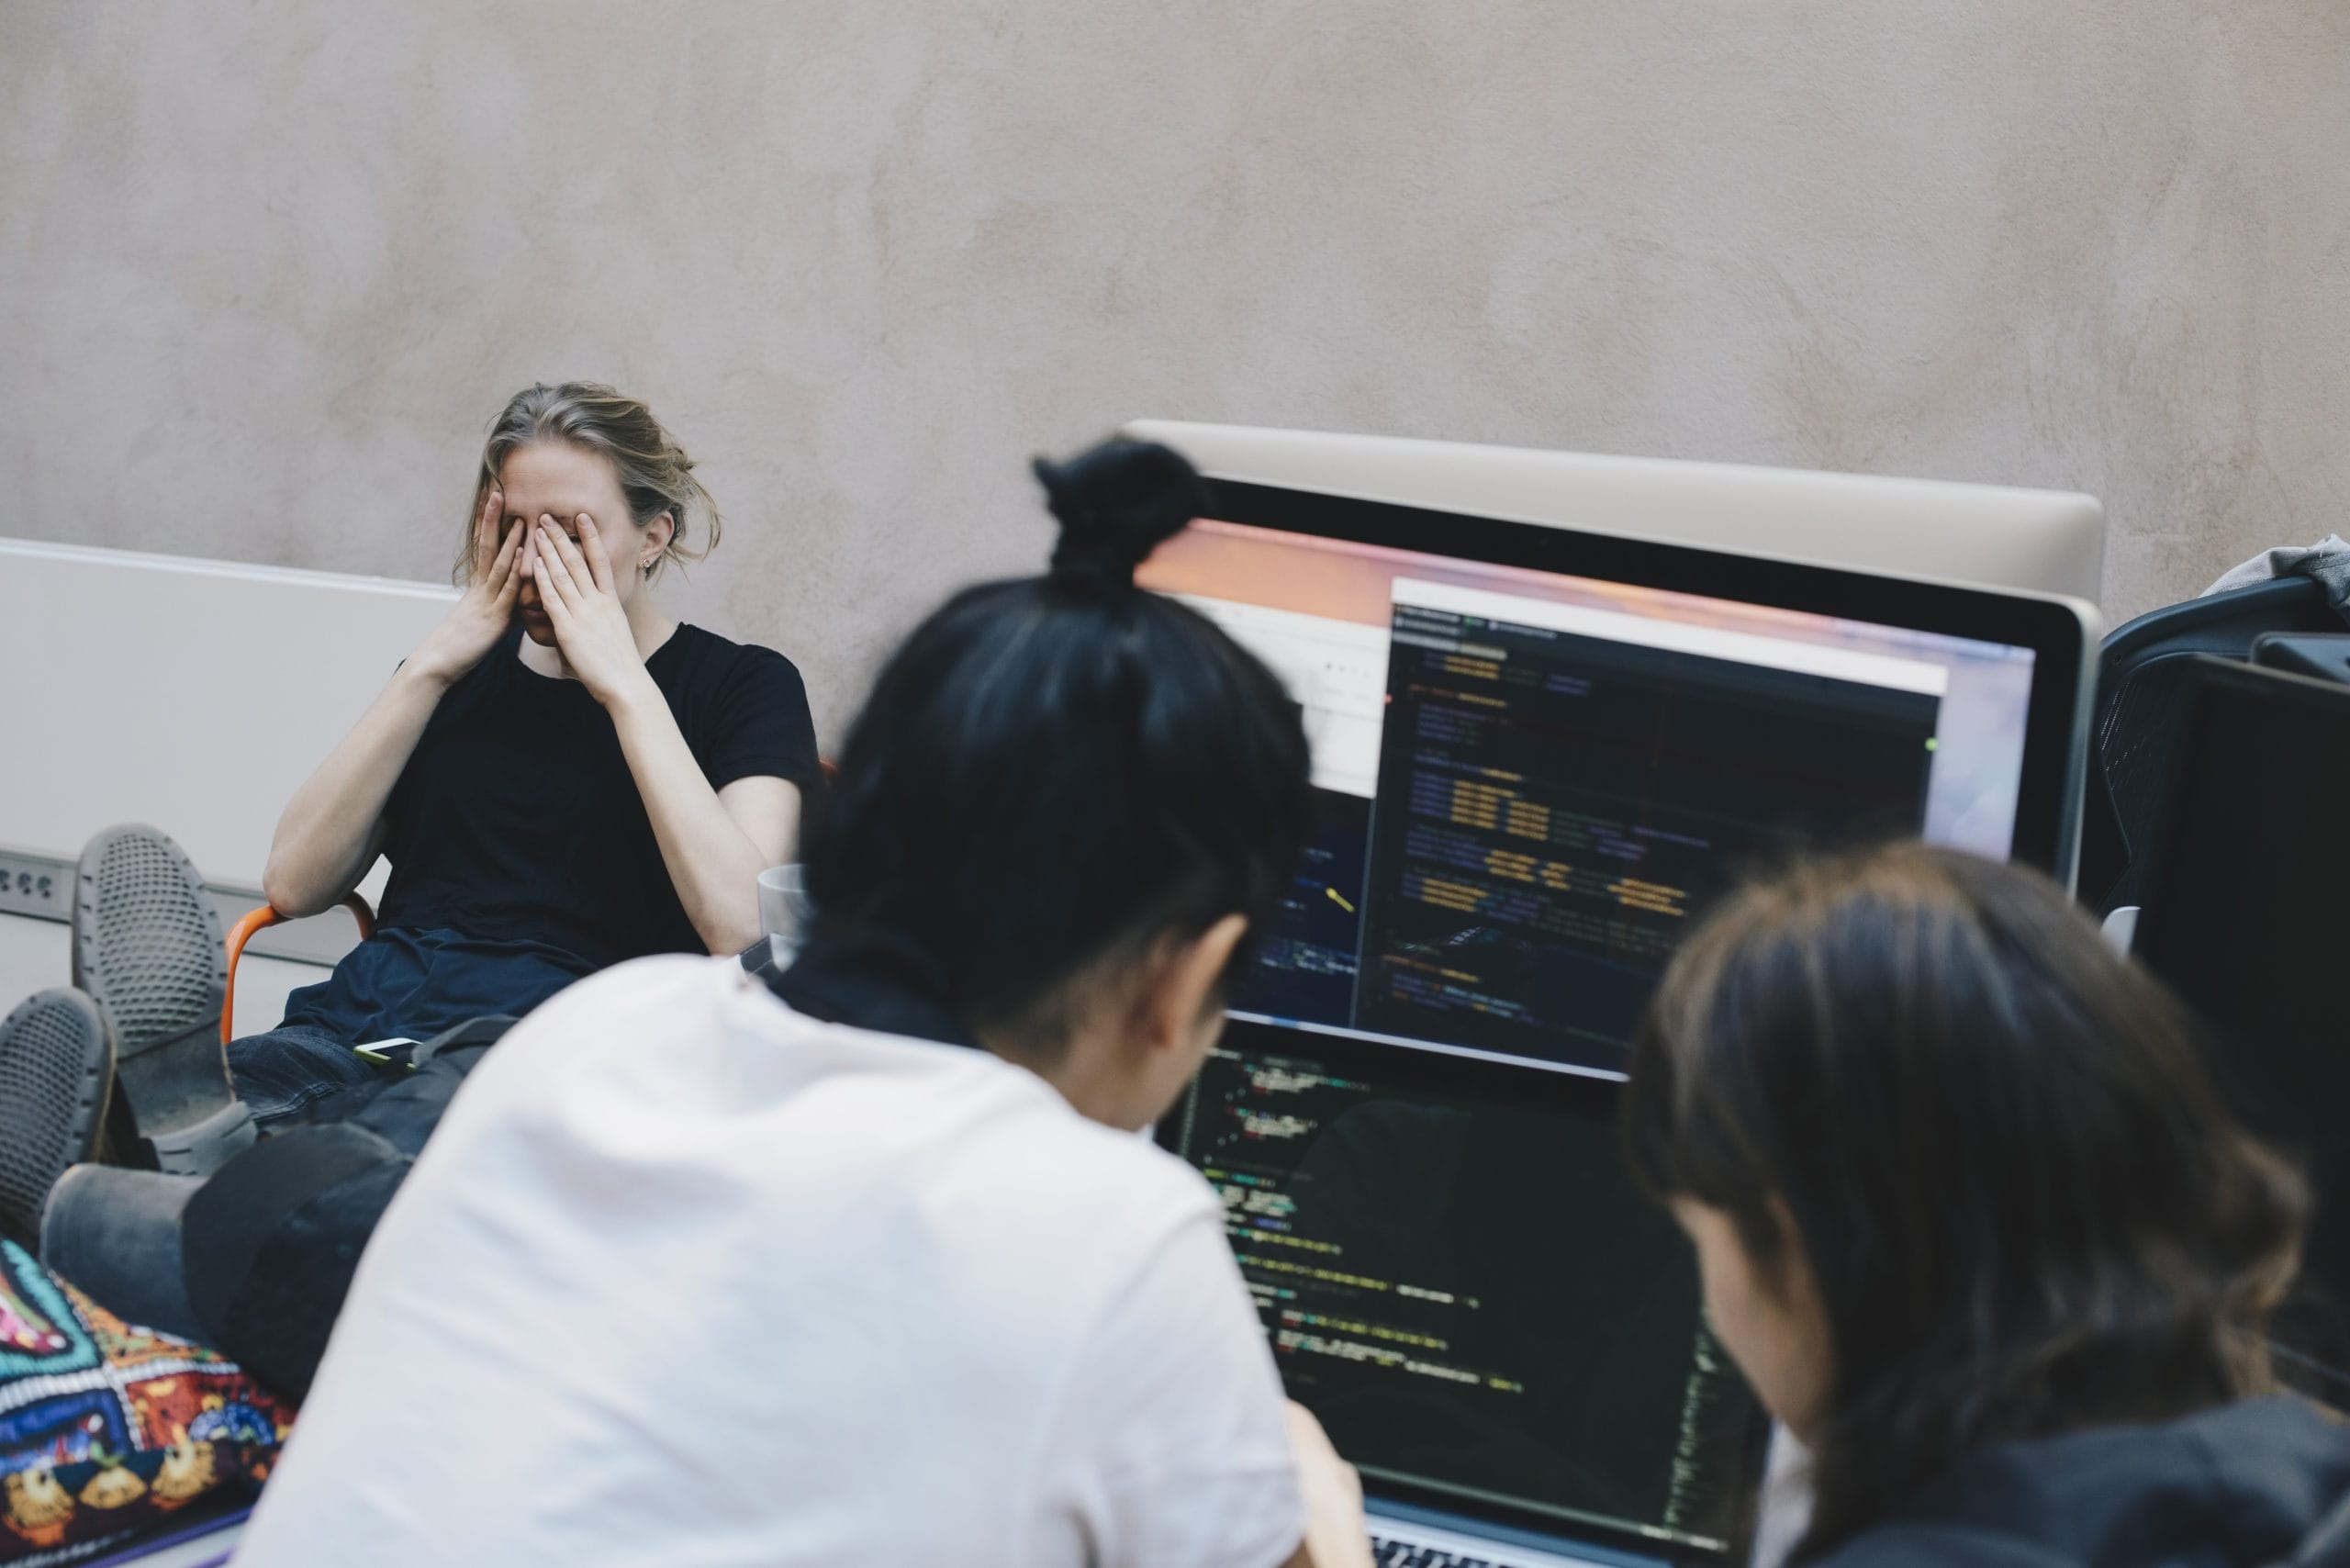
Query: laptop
pixel 1459 1281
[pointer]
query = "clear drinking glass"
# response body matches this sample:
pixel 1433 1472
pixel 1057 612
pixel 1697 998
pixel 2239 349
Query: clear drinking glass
pixel 783 906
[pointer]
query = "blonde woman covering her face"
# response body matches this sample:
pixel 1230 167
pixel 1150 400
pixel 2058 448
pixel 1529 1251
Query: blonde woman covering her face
pixel 562 776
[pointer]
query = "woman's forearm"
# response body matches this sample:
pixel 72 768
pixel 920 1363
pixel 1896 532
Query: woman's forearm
pixel 326 838
pixel 714 864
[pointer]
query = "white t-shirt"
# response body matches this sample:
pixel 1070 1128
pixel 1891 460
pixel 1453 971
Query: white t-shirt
pixel 684 1277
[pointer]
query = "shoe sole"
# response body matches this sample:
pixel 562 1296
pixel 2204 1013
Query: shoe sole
pixel 56 1071
pixel 148 947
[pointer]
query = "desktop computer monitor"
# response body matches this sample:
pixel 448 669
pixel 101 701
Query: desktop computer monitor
pixel 1539 753
pixel 2246 887
pixel 2038 541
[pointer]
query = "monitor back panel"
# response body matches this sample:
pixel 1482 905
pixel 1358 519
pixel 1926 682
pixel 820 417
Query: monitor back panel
pixel 2245 918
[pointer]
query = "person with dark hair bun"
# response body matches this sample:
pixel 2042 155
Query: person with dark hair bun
pixel 864 1262
pixel 1975 1223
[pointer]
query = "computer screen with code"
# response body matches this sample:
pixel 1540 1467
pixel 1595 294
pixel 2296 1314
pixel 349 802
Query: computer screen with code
pixel 1526 784
pixel 1458 1278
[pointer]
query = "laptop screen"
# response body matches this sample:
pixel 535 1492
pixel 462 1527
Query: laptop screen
pixel 1528 783
pixel 1459 1278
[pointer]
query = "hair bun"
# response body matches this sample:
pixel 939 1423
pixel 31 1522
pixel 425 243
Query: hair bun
pixel 1116 503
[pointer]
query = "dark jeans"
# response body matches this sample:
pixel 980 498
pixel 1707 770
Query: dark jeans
pixel 115 1233
pixel 118 1233
pixel 282 1074
pixel 256 1258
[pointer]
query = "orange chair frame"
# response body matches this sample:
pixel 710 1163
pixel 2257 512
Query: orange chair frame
pixel 261 920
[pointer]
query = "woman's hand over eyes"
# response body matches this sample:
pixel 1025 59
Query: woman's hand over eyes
pixel 591 625
pixel 480 616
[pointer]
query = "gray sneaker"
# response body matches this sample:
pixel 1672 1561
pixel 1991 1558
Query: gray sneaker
pixel 148 945
pixel 56 1069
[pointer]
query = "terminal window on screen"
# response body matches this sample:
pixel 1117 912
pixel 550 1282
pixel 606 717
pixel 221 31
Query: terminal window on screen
pixel 1540 795
pixel 1470 1296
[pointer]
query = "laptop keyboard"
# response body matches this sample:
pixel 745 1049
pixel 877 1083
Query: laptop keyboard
pixel 1388 1553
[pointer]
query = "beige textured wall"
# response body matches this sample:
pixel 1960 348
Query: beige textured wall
pixel 267 266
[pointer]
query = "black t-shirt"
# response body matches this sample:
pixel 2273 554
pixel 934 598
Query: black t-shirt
pixel 517 819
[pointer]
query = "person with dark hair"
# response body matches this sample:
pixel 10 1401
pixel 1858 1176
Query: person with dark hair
pixel 1977 1227
pixel 863 1261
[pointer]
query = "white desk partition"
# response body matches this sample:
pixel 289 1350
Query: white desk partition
pixel 195 695
pixel 2040 541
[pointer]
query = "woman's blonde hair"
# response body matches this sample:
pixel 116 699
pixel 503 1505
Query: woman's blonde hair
pixel 655 474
